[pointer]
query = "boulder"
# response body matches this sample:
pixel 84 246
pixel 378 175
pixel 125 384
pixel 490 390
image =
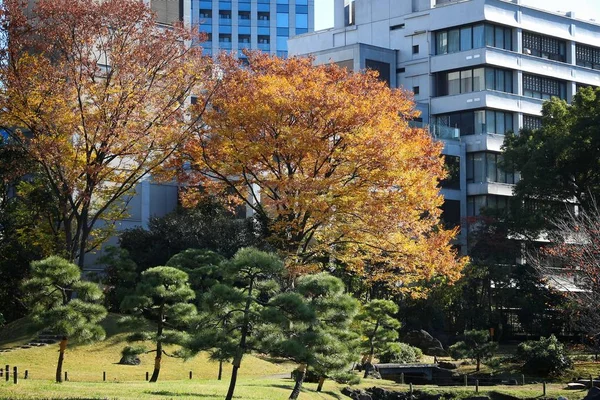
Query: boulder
pixel 424 341
pixel 130 360
pixel 447 365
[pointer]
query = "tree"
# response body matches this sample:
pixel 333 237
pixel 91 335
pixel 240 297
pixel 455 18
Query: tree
pixel 95 94
pixel 571 263
pixel 378 327
pixel 202 266
pixel 329 164
pixel 558 162
pixel 546 356
pixel 164 295
pixel 311 326
pixel 476 345
pixel 232 308
pixel 50 291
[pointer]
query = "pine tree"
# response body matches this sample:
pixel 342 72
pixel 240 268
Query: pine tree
pixel 164 295
pixel 311 326
pixel 64 304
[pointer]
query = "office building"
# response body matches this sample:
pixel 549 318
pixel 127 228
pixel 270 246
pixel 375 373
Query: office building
pixel 266 25
pixel 478 69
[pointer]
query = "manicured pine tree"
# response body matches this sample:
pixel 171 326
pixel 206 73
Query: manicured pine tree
pixel 163 295
pixel 64 304
pixel 378 327
pixel 477 345
pixel 233 308
pixel 311 326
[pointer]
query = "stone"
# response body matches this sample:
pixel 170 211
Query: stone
pixel 424 341
pixel 447 365
pixel 130 360
pixel 575 386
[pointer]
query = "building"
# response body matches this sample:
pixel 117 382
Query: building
pixel 266 25
pixel 478 69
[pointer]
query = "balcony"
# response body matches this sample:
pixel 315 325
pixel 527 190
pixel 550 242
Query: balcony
pixel 486 99
pixel 444 132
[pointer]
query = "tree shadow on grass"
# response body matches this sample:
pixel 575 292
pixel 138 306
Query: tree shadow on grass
pixel 175 394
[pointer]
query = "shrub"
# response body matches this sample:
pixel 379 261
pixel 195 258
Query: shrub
pixel 400 353
pixel 346 378
pixel 477 346
pixel 545 357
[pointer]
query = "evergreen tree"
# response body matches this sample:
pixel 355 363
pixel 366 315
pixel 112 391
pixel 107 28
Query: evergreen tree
pixel 477 345
pixel 61 302
pixel 311 326
pixel 163 294
pixel 378 327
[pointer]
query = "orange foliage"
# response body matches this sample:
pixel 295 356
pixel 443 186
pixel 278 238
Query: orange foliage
pixel 329 164
pixel 100 92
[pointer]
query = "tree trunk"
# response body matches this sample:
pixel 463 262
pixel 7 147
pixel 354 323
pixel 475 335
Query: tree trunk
pixel 61 357
pixel 220 370
pixel 237 361
pixel 321 382
pixel 478 363
pixel 299 380
pixel 159 349
pixel 236 366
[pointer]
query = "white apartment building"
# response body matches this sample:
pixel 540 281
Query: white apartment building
pixel 478 69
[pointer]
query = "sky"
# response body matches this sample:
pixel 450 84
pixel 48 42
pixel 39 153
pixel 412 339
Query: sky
pixel 584 9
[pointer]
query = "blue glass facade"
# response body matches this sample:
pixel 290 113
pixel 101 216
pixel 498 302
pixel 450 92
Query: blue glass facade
pixel 251 24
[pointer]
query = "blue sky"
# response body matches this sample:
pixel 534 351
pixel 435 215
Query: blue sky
pixel 584 9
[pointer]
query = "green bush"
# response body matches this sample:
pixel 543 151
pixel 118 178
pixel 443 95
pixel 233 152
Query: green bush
pixel 546 357
pixel 346 378
pixel 400 353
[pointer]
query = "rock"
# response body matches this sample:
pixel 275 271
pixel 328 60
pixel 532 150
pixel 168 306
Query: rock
pixel 130 360
pixel 380 393
pixel 575 386
pixel 561 398
pixel 447 365
pixel 593 394
pixel 424 341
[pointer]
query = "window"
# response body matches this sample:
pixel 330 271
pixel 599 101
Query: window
pixel 382 68
pixel 416 89
pixel 349 9
pixel 396 27
pixel 473 80
pixel 283 20
pixel 263 16
pixel 244 39
pixel 544 47
pixel 472 37
pixel 205 13
pixel 485 167
pixel 476 122
pixel 244 15
pixel 400 70
pixel 282 43
pixel 532 122
pixel 451 213
pixel 540 87
pixel 415 49
pixel 452 165
pixel 476 203
pixel 587 56
pixel 301 21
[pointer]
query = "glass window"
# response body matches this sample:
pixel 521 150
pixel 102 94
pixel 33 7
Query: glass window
pixel 508 122
pixel 453 41
pixel 489 35
pixel 466 40
pixel 499 85
pixel 499 37
pixel 453 83
pixel 301 9
pixel 283 8
pixel 283 20
pixel 490 79
pixel 490 121
pixel 479 122
pixel 302 21
pixel 478 79
pixel 491 168
pixel 282 43
pixel 466 81
pixel 478 36
pixel 441 40
pixel 478 167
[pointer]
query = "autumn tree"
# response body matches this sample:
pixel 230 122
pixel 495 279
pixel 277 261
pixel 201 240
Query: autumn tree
pixel 50 295
pixel 331 168
pixel 311 326
pixel 95 93
pixel 378 326
pixel 163 294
